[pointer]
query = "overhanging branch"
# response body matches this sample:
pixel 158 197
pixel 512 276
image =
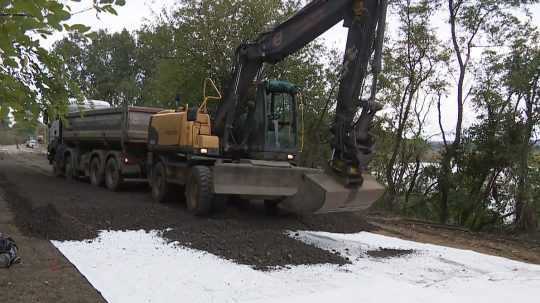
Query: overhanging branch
pixel 14 15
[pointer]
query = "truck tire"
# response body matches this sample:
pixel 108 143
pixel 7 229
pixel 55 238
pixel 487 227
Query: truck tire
pixel 96 173
pixel 161 190
pixel 198 191
pixel 69 170
pixel 113 177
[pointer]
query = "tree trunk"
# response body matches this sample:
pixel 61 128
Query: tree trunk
pixel 412 183
pixel 444 184
pixel 390 168
pixel 526 217
pixel 451 150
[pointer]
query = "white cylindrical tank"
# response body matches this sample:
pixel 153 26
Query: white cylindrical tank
pixel 87 105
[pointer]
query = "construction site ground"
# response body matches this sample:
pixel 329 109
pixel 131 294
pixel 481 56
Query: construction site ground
pixel 36 207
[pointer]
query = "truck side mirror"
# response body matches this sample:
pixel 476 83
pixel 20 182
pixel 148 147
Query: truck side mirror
pixel 192 114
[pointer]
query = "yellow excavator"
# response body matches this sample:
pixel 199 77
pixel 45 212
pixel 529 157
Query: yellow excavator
pixel 248 147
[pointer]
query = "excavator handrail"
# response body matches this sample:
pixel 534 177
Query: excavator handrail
pixel 203 106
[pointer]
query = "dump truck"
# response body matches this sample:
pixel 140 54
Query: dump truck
pixel 248 147
pixel 100 142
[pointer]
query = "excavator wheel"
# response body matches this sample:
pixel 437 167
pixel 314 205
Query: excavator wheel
pixel 161 190
pixel 199 190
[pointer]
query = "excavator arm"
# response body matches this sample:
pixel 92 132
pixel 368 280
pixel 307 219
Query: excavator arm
pixel 365 19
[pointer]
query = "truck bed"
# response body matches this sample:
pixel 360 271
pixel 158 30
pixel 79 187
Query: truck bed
pixel 109 125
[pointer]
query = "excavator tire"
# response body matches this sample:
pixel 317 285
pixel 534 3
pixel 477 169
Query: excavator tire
pixel 199 190
pixel 161 190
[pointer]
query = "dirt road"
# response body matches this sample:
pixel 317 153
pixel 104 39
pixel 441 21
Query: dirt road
pixel 45 207
pixel 44 275
pixel 52 208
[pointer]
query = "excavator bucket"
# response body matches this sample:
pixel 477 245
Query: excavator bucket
pixel 323 193
pixel 301 190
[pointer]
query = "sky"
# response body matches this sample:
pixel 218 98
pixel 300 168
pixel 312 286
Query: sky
pixel 138 12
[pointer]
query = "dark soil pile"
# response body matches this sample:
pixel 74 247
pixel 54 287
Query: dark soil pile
pixel 43 221
pixel 53 208
pixel 389 253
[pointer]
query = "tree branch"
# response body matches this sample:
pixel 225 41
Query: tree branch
pixel 15 15
pixel 440 120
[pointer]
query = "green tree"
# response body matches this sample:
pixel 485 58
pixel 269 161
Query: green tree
pixel 32 79
pixel 471 22
pixel 408 81
pixel 522 81
pixel 106 69
pixel 495 172
pixel 204 36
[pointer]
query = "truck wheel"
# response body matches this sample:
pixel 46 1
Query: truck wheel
pixel 69 169
pixel 113 177
pixel 96 176
pixel 198 190
pixel 161 190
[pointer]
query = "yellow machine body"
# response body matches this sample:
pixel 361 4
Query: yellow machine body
pixel 171 129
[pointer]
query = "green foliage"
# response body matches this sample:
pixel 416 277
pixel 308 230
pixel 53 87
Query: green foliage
pixel 203 37
pixel 410 82
pixel 31 78
pixel 488 179
pixel 104 69
pixel 494 181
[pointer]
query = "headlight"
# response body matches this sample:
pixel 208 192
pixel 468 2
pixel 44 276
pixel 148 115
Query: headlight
pixel 204 151
pixel 290 157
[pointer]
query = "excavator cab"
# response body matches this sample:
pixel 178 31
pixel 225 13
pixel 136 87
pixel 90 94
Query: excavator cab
pixel 272 121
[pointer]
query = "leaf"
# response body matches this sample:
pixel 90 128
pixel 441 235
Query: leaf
pixel 92 35
pixel 81 28
pixel 10 62
pixel 110 9
pixel 29 7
